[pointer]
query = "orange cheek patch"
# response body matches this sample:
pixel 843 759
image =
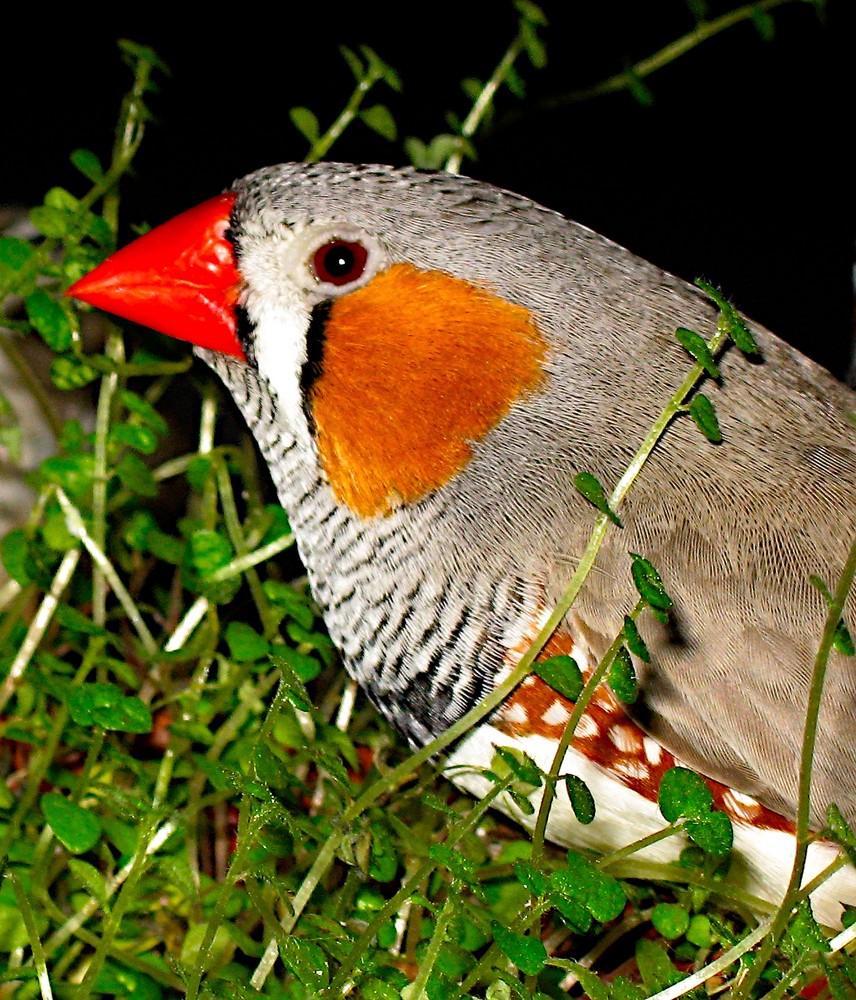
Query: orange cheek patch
pixel 417 365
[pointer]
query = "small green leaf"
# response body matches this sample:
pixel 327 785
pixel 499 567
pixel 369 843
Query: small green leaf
pixel 530 878
pixel 102 704
pixel 142 439
pixel 144 54
pixel 704 414
pixel 730 321
pixel 13 554
pixel 62 199
pixel 655 966
pixel 622 677
pixel 531 12
pixel 527 953
pixel 648 583
pixel 377 67
pixel 71 372
pixel 245 644
pixel 518 763
pixel 472 88
pixel 199 472
pixel 379 119
pixel 89 877
pixel 15 254
pixel 55 532
pixel 581 882
pixel 353 60
pixel 125 982
pixel 803 935
pixel 591 489
pixel 143 410
pixel 76 621
pixel 532 44
pixel 621 988
pixel 514 82
pixel 136 476
pixel 50 319
pixel 639 90
pixel 764 24
pixel 99 231
pixel 72 472
pixel 698 9
pixel 459 866
pixel 635 642
pixel 74 827
pixel 697 347
pixel 51 222
pixel 700 931
pixel 306 123
pixel 279 525
pixel 670 920
pixel 209 551
pixel 140 525
pixel 713 833
pixel 841 831
pixel 305 667
pixel 417 152
pixel 581 798
pixel 88 164
pixel 562 674
pixel 683 793
pixel 384 860
pixel 593 986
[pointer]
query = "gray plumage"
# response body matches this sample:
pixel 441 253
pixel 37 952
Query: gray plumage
pixel 426 601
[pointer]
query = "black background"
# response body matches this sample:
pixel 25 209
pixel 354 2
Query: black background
pixel 741 169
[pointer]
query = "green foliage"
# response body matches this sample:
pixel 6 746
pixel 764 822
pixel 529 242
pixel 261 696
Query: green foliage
pixel 185 791
pixel 589 487
pixel 562 674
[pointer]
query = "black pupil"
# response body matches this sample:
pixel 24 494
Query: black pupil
pixel 339 260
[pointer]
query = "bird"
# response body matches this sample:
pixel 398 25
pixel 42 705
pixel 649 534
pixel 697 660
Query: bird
pixel 427 362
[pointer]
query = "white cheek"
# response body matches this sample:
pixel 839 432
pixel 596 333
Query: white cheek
pixel 279 310
pixel 280 349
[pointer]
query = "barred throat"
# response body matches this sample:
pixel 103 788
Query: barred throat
pixel 426 642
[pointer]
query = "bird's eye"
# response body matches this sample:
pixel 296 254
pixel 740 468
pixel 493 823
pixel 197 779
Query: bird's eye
pixel 340 262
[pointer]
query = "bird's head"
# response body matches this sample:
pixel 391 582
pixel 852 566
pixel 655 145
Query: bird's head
pixel 378 305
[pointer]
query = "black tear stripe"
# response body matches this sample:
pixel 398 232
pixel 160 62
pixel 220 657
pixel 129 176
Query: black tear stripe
pixel 313 366
pixel 244 331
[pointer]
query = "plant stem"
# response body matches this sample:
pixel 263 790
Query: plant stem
pixel 318 150
pixel 703 31
pixel 39 625
pixel 77 527
pixel 484 100
pixel 33 934
pixel 109 385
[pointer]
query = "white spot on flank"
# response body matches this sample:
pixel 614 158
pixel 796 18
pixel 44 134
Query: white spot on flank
pixel 653 750
pixel 741 805
pixel 556 715
pixel 624 738
pixel 516 712
pixel 631 768
pixel 745 800
pixel 586 728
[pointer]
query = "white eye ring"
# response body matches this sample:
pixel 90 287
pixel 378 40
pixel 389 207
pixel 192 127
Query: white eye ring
pixel 301 258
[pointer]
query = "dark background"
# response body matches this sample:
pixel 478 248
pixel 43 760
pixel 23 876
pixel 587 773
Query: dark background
pixel 740 171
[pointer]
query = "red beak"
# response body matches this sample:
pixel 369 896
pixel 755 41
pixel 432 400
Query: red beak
pixel 179 279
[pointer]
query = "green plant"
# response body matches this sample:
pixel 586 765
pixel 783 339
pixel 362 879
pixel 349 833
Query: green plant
pixel 191 787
